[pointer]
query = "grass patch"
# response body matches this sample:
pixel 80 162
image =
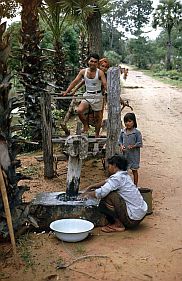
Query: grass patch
pixel 4 276
pixel 32 170
pixel 24 248
pixel 79 249
pixel 168 77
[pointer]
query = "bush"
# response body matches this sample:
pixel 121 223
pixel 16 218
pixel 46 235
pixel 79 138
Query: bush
pixel 171 74
pixel 113 57
pixel 157 67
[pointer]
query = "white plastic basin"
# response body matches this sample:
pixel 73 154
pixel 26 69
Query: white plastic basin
pixel 71 230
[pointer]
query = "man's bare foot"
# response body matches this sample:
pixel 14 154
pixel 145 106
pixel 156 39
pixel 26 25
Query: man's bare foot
pixel 85 129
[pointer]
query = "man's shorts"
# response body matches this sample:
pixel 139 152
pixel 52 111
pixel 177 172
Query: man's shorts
pixel 94 100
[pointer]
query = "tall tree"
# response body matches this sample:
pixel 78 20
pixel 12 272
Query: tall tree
pixel 53 14
pixel 32 72
pixel 112 19
pixel 113 39
pixel 89 13
pixel 135 15
pixel 168 14
pixel 8 144
pixel 93 21
pixel 31 67
pixel 140 52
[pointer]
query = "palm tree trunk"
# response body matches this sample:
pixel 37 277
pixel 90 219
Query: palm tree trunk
pixel 31 67
pixel 61 80
pixel 83 49
pixel 8 146
pixel 38 119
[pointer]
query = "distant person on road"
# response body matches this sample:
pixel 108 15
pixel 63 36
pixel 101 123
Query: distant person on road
pixel 95 83
pixel 121 200
pixel 130 142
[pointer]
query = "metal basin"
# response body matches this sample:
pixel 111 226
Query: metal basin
pixel 71 230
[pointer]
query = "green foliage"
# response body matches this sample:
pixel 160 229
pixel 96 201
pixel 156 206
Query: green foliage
pixel 168 15
pixel 135 15
pixel 24 247
pixel 112 39
pixel 14 61
pixel 58 114
pixel 157 67
pixel 140 52
pixel 8 8
pixel 31 170
pixel 79 249
pixel 47 40
pixel 172 74
pixel 70 43
pixel 160 49
pixel 114 58
pixel 171 77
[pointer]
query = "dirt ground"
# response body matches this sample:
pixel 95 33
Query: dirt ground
pixel 152 252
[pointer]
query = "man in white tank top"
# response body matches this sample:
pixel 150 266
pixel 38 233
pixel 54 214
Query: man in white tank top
pixel 94 80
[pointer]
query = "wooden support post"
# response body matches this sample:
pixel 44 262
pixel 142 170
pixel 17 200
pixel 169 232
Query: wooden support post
pixel 8 215
pixel 73 176
pixel 77 148
pixel 47 146
pixel 114 111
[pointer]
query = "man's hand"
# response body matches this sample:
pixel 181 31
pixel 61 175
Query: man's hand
pixel 87 194
pixel 65 94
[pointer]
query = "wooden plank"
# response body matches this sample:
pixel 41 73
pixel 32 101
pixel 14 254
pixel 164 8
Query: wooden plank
pixel 90 140
pixel 47 145
pixel 60 157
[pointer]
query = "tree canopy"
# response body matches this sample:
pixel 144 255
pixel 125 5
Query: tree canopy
pixel 8 8
pixel 168 14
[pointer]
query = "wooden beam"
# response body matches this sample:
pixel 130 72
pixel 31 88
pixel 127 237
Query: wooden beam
pixel 76 97
pixel 8 215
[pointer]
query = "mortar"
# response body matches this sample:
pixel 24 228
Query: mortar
pixel 50 206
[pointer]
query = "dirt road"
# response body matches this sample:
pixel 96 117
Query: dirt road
pixel 153 252
pixel 159 113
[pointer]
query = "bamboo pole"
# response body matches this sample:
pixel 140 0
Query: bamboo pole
pixel 77 97
pixel 8 215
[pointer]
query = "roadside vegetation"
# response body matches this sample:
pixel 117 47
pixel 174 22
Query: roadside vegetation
pixel 171 77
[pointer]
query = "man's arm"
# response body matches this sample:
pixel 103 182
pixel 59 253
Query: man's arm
pixel 95 186
pixel 111 184
pixel 74 82
pixel 78 86
pixel 103 80
pixel 90 190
